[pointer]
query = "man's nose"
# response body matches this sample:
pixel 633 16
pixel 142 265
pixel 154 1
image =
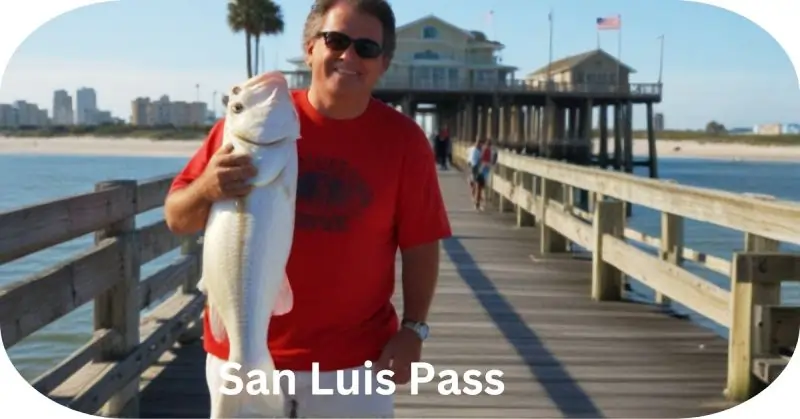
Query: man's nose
pixel 349 55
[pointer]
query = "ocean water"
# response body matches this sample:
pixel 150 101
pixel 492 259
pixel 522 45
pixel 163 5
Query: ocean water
pixel 26 180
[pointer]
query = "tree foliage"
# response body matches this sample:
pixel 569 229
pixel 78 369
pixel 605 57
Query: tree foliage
pixel 256 18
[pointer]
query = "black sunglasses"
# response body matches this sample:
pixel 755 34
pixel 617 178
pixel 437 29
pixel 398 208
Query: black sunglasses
pixel 365 48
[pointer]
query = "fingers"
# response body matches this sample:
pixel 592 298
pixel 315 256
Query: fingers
pixel 236 173
pixel 225 149
pixel 233 160
pixel 229 174
pixel 401 366
pixel 383 362
pixel 398 364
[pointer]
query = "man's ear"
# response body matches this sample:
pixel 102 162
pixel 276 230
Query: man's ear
pixel 386 61
pixel 309 52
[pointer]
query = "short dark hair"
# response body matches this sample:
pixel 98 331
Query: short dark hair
pixel 379 9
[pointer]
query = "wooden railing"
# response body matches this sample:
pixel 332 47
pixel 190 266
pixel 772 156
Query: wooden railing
pixel 102 376
pixel 302 79
pixel 762 333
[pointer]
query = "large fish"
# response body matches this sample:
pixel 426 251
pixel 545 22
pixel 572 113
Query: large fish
pixel 247 241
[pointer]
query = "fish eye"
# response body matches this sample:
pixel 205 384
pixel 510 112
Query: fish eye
pixel 237 107
pixel 236 90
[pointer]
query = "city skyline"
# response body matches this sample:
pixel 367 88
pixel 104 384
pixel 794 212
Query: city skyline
pixel 705 77
pixel 81 109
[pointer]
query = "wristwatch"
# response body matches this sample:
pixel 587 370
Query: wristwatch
pixel 420 328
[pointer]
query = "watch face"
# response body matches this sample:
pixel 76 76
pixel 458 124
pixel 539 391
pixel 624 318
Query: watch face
pixel 423 331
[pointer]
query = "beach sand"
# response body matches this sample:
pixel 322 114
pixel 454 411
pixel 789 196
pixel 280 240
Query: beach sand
pixel 185 148
pixel 93 146
pixel 716 151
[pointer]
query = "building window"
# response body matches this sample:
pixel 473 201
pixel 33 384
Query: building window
pixel 429 32
pixel 426 55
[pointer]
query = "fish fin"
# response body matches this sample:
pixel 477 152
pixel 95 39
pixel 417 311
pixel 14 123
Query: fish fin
pixel 217 326
pixel 285 300
pixel 287 192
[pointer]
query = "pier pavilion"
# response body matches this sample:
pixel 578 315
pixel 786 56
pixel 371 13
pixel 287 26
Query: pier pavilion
pixel 456 75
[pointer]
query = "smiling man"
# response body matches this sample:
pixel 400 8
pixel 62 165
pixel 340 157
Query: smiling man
pixel 367 187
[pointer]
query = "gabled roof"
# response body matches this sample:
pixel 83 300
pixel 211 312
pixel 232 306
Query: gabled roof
pixel 472 35
pixel 572 61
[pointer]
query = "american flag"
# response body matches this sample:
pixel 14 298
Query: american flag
pixel 609 23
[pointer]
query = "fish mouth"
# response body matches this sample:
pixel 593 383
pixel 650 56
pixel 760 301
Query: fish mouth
pixel 243 138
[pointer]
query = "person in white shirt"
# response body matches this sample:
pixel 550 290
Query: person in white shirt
pixel 477 179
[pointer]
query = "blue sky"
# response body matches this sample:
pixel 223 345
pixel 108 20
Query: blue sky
pixel 718 65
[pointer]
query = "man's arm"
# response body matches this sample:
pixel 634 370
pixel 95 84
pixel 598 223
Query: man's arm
pixel 186 209
pixel 420 275
pixel 421 224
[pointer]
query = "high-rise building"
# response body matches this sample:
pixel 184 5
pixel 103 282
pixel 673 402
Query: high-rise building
pixel 198 113
pixel 62 108
pixel 658 122
pixel 9 117
pixel 163 111
pixel 159 112
pixel 139 111
pixel 86 104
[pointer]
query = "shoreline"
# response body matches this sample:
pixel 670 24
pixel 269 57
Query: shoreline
pixel 140 147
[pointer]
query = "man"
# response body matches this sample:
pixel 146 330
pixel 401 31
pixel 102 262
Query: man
pixel 442 147
pixel 367 186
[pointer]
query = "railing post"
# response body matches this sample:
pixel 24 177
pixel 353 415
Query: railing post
pixel 740 339
pixel 504 204
pixel 551 241
pixel 671 245
pixel 524 181
pixel 744 296
pixel 118 308
pixel 190 246
pixel 609 218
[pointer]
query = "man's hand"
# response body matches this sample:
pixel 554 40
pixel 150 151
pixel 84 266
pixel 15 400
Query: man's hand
pixel 226 175
pixel 402 349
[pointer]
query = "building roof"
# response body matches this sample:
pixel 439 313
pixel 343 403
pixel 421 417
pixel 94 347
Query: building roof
pixel 476 36
pixel 572 61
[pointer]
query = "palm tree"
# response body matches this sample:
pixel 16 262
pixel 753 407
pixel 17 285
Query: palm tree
pixel 270 22
pixel 254 18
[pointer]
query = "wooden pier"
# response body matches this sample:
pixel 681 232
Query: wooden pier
pixel 533 287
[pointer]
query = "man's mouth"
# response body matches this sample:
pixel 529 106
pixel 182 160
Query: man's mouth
pixel 346 72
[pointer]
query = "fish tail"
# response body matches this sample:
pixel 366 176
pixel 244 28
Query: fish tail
pixel 280 383
pixel 253 401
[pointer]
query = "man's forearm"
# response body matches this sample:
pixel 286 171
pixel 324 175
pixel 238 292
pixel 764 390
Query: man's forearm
pixel 420 273
pixel 186 211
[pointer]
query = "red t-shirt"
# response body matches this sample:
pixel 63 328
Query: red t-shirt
pixel 486 155
pixel 366 187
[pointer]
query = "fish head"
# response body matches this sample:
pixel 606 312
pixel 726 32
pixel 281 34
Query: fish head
pixel 261 110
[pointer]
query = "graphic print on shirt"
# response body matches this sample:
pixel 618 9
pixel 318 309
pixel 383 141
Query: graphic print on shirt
pixel 330 193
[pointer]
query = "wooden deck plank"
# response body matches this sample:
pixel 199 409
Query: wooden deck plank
pixel 500 304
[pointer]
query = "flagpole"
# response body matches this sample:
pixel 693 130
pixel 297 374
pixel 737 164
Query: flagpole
pixel 661 60
pixel 619 52
pixel 550 52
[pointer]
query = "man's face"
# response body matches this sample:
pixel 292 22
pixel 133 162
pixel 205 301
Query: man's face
pixel 342 71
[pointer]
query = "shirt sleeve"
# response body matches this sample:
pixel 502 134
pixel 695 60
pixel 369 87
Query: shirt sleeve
pixel 197 164
pixel 421 212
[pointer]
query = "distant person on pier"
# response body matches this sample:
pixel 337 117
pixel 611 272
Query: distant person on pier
pixel 367 187
pixel 479 169
pixel 441 145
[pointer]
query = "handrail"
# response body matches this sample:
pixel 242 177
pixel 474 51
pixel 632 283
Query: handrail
pixel 762 332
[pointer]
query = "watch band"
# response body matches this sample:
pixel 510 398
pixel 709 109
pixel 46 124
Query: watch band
pixel 420 328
